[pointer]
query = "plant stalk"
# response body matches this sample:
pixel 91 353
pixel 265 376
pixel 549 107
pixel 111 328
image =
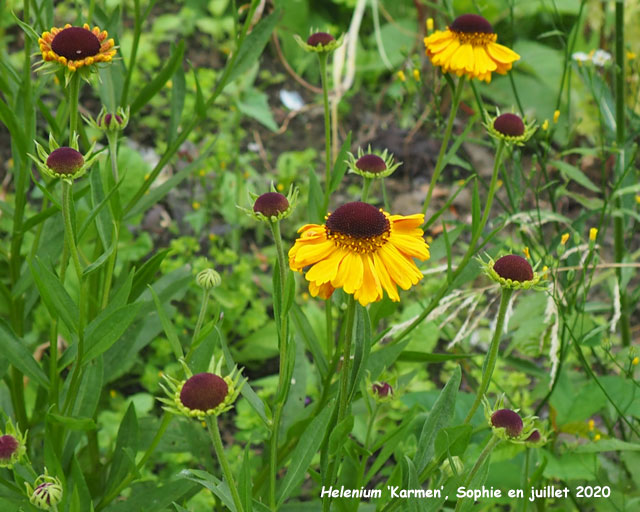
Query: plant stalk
pixel 214 431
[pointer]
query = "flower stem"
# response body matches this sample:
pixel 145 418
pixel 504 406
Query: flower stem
pixel 322 58
pixel 618 221
pixel 74 94
pixel 492 355
pixel 201 315
pixel 365 189
pixel 344 384
pixel 281 395
pixel 212 423
pixel 475 237
pixel 493 442
pixel 445 142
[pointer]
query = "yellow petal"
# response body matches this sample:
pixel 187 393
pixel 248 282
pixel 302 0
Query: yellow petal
pixel 349 275
pixel 463 59
pixel 311 253
pixel 385 280
pixel 442 58
pixel 410 246
pixel 396 265
pixel 371 290
pixel 483 63
pixel 326 270
pixel 502 54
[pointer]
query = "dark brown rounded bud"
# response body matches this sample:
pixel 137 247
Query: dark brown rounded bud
pixel 75 43
pixel 509 124
pixel 65 160
pixel 513 267
pixel 203 391
pixel 320 38
pixel 509 420
pixel 271 204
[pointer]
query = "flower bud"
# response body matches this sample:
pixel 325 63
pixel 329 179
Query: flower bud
pixel 382 389
pixel 208 278
pixel 509 420
pixel 46 493
pixel 513 267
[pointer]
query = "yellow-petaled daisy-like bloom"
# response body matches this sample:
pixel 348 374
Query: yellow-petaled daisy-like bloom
pixel 363 250
pixel 468 47
pixel 76 47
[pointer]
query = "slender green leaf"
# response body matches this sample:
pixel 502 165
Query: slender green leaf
pixel 178 92
pixel 571 172
pixel 54 296
pixel 424 357
pixel 253 45
pixel 340 165
pixel 124 452
pixel 439 417
pixel 158 82
pixel 72 423
pixel 303 453
pixel 146 273
pixel 362 348
pixel 103 332
pixel 17 353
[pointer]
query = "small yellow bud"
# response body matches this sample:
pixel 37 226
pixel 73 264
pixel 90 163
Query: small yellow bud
pixel 245 175
pixel 499 183
pixel 526 252
pixel 635 361
pixel 429 24
pixel 401 76
pixel 416 75
pixel 113 393
pixel 593 233
pixel 596 437
pixel 638 199
pixel 202 173
pixel 212 236
pixel 280 187
pixel 429 239
pixel 305 296
pixel 169 84
pixel 592 425
pixel 631 55
pixel 545 125
pixel 195 205
pixel 564 239
pixel 556 116
pixel 146 176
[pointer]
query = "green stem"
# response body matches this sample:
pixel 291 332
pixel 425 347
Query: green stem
pixel 344 385
pixel 281 395
pixel 137 31
pixel 328 323
pixel 618 221
pixel 493 442
pixel 74 94
pixel 212 423
pixel 68 228
pixel 475 237
pixel 203 312
pixel 322 57
pixel 492 355
pixel 365 189
pixel 445 142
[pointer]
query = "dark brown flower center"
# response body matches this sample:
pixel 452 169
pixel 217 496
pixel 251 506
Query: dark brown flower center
pixel 509 420
pixel 203 391
pixel 107 119
pixel 320 38
pixel 76 43
pixel 371 163
pixel 357 220
pixel 271 204
pixel 8 446
pixel 471 24
pixel 513 267
pixel 382 389
pixel 534 437
pixel 509 124
pixel 65 160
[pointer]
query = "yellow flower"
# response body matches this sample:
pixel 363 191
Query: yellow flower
pixel 401 76
pixel 363 250
pixel 416 75
pixel 468 47
pixel 556 116
pixel 564 239
pixel 545 125
pixel 195 205
pixel 593 233
pixel 635 361
pixel 638 199
pixel 526 252
pixel 76 47
pixel 596 438
pixel 592 425
pixel 631 55
pixel 202 173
